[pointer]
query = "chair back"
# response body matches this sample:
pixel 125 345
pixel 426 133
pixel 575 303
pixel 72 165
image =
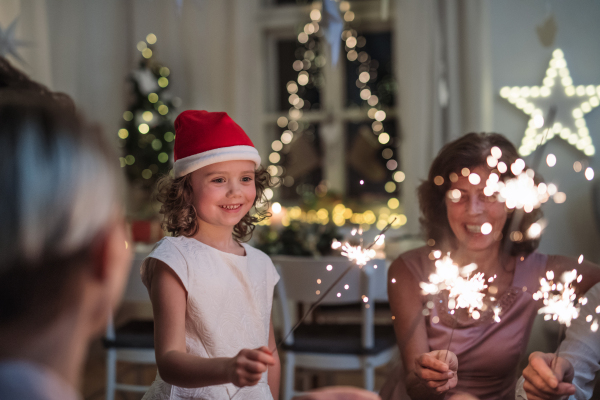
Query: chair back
pixel 305 279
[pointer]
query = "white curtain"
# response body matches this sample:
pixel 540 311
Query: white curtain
pixel 87 49
pixel 444 82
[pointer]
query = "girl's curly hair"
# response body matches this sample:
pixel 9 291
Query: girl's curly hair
pixel 470 151
pixel 179 213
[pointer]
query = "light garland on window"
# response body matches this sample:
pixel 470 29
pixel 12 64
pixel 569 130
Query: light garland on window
pixel 290 121
pixel 572 103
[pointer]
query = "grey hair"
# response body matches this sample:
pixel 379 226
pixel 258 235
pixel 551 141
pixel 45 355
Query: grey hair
pixel 59 189
pixel 65 194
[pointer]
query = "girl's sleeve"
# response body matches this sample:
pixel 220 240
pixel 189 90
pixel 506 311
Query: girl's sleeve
pixel 169 254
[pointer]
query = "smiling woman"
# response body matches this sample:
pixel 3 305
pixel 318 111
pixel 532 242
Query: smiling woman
pixel 461 217
pixel 472 209
pixel 454 165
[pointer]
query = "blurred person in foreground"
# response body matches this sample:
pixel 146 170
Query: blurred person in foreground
pixel 573 373
pixel 484 354
pixel 63 254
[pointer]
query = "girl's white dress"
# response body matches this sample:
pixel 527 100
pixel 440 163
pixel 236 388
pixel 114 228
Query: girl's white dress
pixel 228 309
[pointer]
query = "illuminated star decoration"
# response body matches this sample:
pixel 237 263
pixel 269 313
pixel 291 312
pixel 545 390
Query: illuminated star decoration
pixel 9 43
pixel 572 103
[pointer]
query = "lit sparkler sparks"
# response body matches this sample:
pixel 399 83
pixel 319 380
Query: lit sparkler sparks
pixel 468 293
pixel 497 309
pixel 559 298
pixel 590 318
pixel 465 291
pixel 521 191
pixel 518 192
pixel 593 320
pixel 357 254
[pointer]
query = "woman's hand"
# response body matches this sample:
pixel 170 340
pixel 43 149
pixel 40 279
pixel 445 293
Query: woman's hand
pixel 548 378
pixel 247 367
pixel 436 370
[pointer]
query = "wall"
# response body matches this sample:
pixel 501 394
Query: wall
pixel 519 59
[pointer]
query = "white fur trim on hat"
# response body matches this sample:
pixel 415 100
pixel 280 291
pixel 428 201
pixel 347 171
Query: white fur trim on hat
pixel 189 164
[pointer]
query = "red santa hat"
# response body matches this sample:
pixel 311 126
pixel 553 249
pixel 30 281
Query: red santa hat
pixel 203 138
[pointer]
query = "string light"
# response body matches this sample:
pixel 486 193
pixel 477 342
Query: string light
pixel 366 74
pixel 146 122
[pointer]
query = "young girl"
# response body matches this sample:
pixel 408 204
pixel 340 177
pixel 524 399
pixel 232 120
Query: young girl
pixel 212 294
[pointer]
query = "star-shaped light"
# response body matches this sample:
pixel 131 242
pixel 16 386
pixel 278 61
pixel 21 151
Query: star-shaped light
pixel 9 43
pixel 571 102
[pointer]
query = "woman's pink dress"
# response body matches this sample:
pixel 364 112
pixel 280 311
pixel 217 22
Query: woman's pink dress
pixel 488 352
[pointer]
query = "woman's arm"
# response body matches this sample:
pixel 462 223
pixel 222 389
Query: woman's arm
pixel 428 376
pixel 590 272
pixel 175 365
pixel 275 369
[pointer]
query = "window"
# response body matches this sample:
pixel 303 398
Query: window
pixel 333 128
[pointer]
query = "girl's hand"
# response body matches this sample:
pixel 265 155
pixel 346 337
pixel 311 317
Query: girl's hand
pixel 247 367
pixel 436 370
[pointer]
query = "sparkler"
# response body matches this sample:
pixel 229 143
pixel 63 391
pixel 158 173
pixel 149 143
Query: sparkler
pixel 356 255
pixel 521 192
pixel 590 317
pixel 559 300
pixel 464 291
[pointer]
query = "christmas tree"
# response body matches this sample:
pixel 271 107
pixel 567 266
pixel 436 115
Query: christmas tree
pixel 148 132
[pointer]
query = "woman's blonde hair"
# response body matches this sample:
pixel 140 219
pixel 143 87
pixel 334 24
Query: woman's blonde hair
pixel 179 214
